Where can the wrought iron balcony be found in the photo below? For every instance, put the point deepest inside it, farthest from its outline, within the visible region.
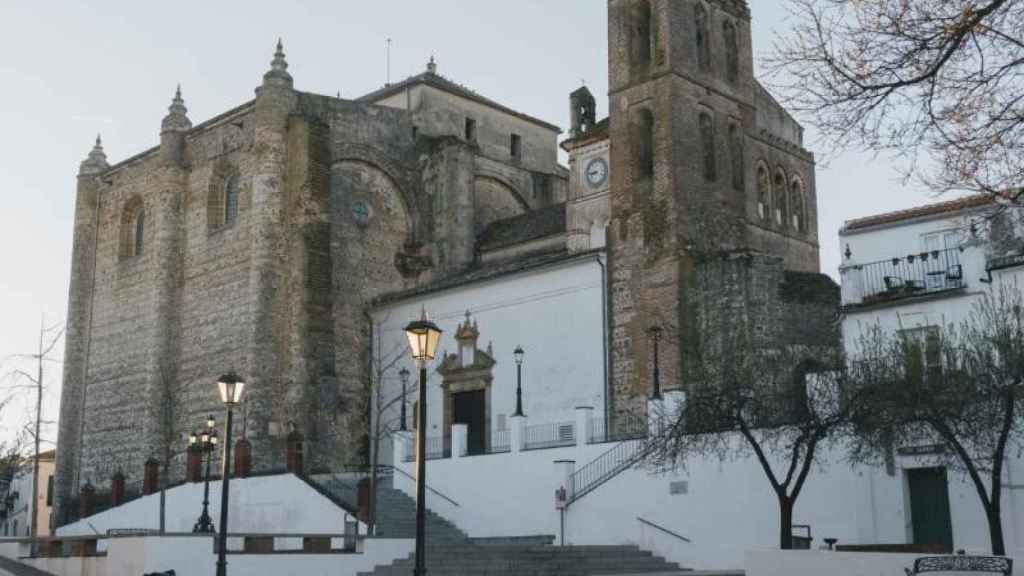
(903, 277)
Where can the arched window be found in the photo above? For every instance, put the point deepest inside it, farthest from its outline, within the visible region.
(732, 51)
(140, 231)
(640, 32)
(643, 142)
(133, 228)
(797, 206)
(700, 19)
(736, 156)
(231, 200)
(707, 141)
(764, 193)
(779, 195)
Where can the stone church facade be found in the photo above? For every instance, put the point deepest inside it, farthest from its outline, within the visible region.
(259, 241)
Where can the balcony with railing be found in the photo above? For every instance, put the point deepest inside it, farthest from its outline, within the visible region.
(913, 275)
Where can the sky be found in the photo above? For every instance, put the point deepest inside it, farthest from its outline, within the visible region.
(70, 70)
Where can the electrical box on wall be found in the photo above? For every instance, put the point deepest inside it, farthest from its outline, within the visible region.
(678, 487)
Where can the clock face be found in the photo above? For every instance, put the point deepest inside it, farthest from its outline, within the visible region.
(596, 172)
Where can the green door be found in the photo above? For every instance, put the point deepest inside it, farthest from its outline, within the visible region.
(929, 507)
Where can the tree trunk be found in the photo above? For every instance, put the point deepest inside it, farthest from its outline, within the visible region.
(785, 523)
(995, 528)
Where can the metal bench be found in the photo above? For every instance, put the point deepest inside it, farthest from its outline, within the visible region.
(961, 563)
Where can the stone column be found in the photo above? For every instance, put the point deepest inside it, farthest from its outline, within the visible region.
(400, 441)
(243, 458)
(117, 489)
(86, 501)
(275, 101)
(151, 477)
(76, 340)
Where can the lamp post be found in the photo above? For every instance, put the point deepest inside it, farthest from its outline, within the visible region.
(231, 388)
(205, 443)
(403, 374)
(654, 333)
(519, 380)
(423, 338)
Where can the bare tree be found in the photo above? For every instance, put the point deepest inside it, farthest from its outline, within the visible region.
(761, 396)
(49, 337)
(935, 80)
(959, 390)
(381, 399)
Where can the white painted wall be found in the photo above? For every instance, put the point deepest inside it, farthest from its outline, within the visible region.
(816, 563)
(194, 556)
(898, 240)
(269, 504)
(555, 313)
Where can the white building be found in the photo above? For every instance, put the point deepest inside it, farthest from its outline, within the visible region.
(915, 272)
(17, 520)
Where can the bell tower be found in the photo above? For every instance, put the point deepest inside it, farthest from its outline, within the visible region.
(681, 99)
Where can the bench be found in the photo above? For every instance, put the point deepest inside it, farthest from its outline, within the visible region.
(961, 563)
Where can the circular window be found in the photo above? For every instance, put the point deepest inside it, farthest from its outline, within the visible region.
(360, 212)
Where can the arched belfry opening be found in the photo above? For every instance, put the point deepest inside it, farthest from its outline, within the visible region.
(641, 32)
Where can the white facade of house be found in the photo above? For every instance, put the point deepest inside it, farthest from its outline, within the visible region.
(920, 271)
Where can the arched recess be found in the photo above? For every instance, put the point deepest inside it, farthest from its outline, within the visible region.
(781, 209)
(642, 139)
(405, 182)
(764, 192)
(132, 228)
(223, 197)
(372, 221)
(641, 31)
(494, 199)
(797, 206)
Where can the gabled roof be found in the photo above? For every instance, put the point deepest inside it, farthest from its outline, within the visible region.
(939, 208)
(435, 80)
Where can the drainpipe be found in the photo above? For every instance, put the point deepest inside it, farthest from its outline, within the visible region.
(604, 334)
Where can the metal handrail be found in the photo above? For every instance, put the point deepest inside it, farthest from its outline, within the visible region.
(410, 477)
(606, 466)
(663, 529)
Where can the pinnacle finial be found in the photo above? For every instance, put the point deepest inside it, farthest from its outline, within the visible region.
(432, 65)
(96, 162)
(177, 114)
(279, 64)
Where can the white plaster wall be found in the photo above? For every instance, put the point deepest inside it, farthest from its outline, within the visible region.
(555, 313)
(269, 504)
(194, 556)
(816, 563)
(728, 507)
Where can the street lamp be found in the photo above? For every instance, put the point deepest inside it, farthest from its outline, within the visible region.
(423, 338)
(519, 380)
(231, 387)
(205, 443)
(654, 333)
(403, 374)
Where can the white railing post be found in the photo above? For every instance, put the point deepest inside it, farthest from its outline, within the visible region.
(399, 441)
(583, 416)
(460, 435)
(662, 411)
(517, 431)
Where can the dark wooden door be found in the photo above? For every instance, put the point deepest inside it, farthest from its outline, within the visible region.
(929, 507)
(470, 408)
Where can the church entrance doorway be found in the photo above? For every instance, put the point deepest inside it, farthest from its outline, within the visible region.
(470, 408)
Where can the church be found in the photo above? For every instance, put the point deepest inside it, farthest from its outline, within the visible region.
(290, 239)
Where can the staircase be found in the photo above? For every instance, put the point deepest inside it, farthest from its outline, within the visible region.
(529, 557)
(450, 552)
(616, 460)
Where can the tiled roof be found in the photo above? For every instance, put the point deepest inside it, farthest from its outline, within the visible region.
(441, 83)
(533, 225)
(918, 212)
